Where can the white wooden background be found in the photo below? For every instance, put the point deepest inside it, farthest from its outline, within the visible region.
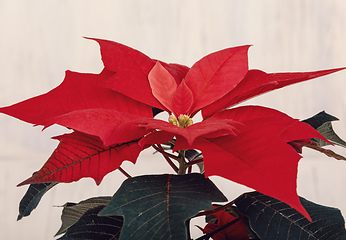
(39, 40)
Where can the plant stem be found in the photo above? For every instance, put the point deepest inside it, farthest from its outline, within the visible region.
(327, 152)
(165, 155)
(181, 159)
(182, 164)
(162, 151)
(124, 172)
(194, 162)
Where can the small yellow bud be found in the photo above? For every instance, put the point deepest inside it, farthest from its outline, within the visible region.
(184, 121)
(189, 122)
(173, 120)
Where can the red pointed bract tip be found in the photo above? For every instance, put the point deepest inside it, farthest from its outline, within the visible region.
(25, 182)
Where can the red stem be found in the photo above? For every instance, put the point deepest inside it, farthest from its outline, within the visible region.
(195, 162)
(166, 156)
(124, 172)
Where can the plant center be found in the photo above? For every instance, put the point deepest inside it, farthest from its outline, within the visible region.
(182, 121)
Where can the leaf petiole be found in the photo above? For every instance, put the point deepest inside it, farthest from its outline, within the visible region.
(124, 172)
(167, 156)
(327, 152)
(194, 162)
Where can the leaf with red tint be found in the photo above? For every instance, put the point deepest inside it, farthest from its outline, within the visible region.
(80, 155)
(299, 144)
(116, 57)
(162, 84)
(214, 128)
(112, 127)
(247, 114)
(182, 99)
(155, 137)
(236, 231)
(302, 131)
(216, 74)
(259, 156)
(257, 82)
(178, 71)
(175, 98)
(132, 68)
(78, 91)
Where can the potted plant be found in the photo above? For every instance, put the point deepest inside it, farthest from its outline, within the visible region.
(113, 117)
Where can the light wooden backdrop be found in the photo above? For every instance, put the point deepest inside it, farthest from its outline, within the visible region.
(39, 40)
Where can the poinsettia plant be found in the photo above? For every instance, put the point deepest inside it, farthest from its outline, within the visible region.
(113, 117)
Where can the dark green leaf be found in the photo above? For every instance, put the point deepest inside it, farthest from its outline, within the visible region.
(320, 118)
(72, 212)
(322, 123)
(32, 198)
(156, 206)
(93, 227)
(327, 131)
(273, 219)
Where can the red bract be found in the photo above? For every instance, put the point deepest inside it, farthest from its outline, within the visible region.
(80, 155)
(248, 145)
(236, 231)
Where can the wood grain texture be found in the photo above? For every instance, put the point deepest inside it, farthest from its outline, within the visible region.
(39, 40)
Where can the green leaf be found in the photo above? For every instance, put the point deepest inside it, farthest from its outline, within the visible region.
(320, 118)
(72, 212)
(327, 131)
(91, 226)
(32, 198)
(322, 123)
(156, 206)
(272, 219)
